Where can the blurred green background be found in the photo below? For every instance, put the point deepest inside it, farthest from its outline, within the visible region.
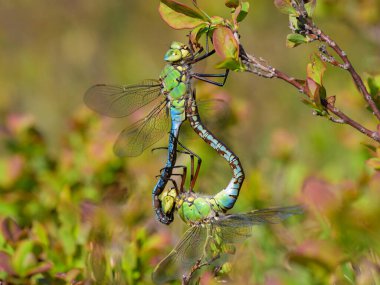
(73, 212)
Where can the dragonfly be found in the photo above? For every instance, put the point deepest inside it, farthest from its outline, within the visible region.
(212, 234)
(172, 91)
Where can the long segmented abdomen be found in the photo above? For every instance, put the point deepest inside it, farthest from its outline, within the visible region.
(226, 198)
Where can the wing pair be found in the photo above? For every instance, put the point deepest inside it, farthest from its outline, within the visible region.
(120, 101)
(200, 242)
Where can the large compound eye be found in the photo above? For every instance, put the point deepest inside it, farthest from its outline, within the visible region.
(173, 55)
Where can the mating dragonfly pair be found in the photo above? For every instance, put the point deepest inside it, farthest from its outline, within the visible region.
(176, 104)
(212, 231)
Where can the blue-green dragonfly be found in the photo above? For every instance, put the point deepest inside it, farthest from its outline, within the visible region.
(172, 91)
(212, 234)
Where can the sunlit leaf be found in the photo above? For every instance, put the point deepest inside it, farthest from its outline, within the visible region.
(374, 90)
(178, 15)
(24, 259)
(374, 163)
(230, 63)
(41, 233)
(242, 12)
(316, 68)
(374, 85)
(198, 31)
(217, 20)
(310, 6)
(225, 44)
(293, 40)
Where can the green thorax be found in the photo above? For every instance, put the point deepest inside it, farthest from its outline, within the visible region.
(193, 209)
(175, 75)
(175, 81)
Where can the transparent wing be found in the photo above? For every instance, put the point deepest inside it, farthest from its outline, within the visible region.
(180, 260)
(236, 228)
(144, 133)
(119, 101)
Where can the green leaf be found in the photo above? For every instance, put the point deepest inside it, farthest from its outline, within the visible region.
(374, 163)
(178, 15)
(232, 3)
(198, 31)
(243, 11)
(24, 258)
(315, 71)
(293, 22)
(230, 63)
(285, 6)
(293, 40)
(310, 6)
(225, 44)
(374, 90)
(316, 68)
(240, 12)
(374, 85)
(216, 20)
(41, 233)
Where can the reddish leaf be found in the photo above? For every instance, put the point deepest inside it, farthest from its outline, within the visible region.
(10, 230)
(5, 263)
(69, 276)
(284, 6)
(313, 87)
(232, 3)
(178, 15)
(319, 252)
(225, 43)
(40, 268)
(318, 194)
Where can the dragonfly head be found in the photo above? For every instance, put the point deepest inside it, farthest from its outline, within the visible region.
(168, 198)
(178, 51)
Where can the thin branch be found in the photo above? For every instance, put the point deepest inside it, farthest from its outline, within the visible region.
(198, 265)
(251, 65)
(344, 119)
(321, 36)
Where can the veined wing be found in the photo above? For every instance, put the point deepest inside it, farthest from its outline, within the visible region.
(180, 260)
(237, 227)
(145, 132)
(120, 101)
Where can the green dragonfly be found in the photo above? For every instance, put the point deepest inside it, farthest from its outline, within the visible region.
(172, 91)
(212, 234)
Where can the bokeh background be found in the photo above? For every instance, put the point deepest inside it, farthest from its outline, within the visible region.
(72, 212)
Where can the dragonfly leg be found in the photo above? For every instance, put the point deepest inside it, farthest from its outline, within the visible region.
(193, 175)
(159, 148)
(207, 54)
(203, 77)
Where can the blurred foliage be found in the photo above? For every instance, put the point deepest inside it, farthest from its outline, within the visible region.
(73, 213)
